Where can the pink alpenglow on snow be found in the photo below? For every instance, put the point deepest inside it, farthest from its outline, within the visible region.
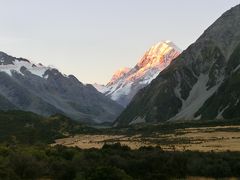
(126, 82)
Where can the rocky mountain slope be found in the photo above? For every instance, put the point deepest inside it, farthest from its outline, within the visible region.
(126, 82)
(203, 83)
(44, 90)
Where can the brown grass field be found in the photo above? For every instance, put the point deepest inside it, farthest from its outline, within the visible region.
(219, 138)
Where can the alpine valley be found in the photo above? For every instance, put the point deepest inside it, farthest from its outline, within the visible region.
(174, 115)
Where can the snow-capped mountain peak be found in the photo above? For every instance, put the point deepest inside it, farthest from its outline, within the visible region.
(10, 65)
(126, 82)
(202, 84)
(158, 54)
(118, 75)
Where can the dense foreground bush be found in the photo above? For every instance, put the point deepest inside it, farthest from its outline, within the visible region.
(112, 162)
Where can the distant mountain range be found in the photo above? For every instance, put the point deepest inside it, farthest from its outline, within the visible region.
(126, 82)
(203, 83)
(46, 91)
(200, 83)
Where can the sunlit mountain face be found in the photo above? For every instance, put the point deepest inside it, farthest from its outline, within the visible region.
(118, 74)
(126, 82)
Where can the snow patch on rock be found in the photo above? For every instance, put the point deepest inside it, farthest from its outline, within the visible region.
(38, 69)
(101, 88)
(220, 112)
(198, 95)
(138, 120)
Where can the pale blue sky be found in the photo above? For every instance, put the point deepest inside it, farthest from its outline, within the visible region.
(93, 38)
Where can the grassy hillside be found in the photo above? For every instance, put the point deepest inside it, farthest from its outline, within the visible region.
(29, 128)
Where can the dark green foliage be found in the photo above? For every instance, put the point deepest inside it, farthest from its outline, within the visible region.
(20, 160)
(29, 128)
(113, 162)
(109, 173)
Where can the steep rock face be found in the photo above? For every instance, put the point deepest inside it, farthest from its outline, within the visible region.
(47, 91)
(126, 82)
(225, 103)
(202, 83)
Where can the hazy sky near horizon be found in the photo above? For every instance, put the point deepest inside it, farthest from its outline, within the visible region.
(91, 39)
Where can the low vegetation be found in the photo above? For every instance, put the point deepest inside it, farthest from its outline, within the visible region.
(114, 162)
(25, 152)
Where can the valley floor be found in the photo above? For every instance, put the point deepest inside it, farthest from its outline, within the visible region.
(217, 138)
(184, 150)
